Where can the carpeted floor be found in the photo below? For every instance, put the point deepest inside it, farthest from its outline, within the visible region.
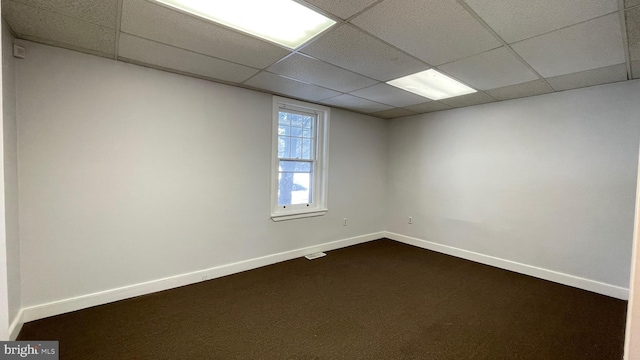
(379, 300)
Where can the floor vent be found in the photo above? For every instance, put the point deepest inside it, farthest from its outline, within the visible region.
(315, 256)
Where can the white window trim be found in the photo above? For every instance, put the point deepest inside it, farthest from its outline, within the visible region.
(318, 207)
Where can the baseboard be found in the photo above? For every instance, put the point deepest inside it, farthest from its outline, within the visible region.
(558, 277)
(99, 298)
(16, 325)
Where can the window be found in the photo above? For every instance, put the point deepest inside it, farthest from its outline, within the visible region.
(299, 168)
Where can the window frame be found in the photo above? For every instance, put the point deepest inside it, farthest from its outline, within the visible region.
(318, 204)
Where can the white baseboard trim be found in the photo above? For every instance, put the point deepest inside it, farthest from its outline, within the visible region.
(103, 297)
(558, 277)
(16, 325)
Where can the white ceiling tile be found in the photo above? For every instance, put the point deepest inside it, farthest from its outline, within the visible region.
(428, 107)
(281, 85)
(633, 33)
(630, 3)
(581, 79)
(148, 20)
(42, 26)
(307, 69)
(165, 56)
(390, 95)
(490, 70)
(99, 12)
(352, 49)
(635, 69)
(357, 104)
(516, 20)
(468, 100)
(393, 113)
(531, 88)
(435, 31)
(343, 8)
(589, 45)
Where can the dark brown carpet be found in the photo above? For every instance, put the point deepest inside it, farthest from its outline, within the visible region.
(379, 300)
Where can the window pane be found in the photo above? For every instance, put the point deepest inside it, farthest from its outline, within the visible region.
(307, 123)
(283, 147)
(296, 148)
(307, 133)
(294, 188)
(296, 131)
(296, 120)
(307, 149)
(295, 166)
(284, 130)
(283, 118)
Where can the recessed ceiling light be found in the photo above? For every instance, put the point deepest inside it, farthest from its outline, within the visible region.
(432, 84)
(284, 22)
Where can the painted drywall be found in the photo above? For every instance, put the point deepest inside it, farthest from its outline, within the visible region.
(10, 172)
(547, 181)
(129, 174)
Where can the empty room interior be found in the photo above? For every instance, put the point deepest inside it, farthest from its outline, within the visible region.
(320, 179)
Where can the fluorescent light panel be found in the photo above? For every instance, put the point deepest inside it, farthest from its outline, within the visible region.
(432, 84)
(284, 22)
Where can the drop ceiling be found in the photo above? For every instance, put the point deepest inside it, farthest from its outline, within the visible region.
(505, 49)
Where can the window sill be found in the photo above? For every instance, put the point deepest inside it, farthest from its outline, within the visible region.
(297, 215)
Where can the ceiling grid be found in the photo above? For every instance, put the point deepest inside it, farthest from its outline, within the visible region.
(504, 49)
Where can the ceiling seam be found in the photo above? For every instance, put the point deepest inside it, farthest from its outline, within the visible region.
(363, 10)
(330, 64)
(13, 33)
(504, 43)
(625, 39)
(62, 45)
(564, 27)
(118, 25)
(390, 45)
(191, 51)
(300, 81)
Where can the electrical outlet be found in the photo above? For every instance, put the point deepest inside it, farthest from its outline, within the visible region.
(410, 219)
(344, 222)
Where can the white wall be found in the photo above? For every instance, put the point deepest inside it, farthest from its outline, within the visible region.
(10, 172)
(129, 174)
(547, 181)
